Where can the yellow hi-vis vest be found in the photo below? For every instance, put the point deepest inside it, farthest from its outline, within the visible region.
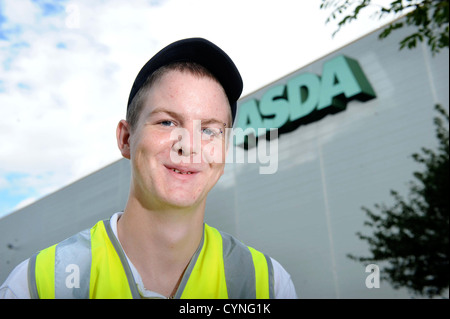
(92, 264)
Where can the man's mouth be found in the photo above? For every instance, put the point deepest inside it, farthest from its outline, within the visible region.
(180, 172)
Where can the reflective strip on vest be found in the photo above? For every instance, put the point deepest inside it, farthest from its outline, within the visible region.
(92, 264)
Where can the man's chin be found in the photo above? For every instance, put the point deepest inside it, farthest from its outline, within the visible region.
(181, 202)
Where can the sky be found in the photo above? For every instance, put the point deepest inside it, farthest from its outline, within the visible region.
(66, 69)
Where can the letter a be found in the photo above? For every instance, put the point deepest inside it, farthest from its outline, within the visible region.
(73, 279)
(373, 280)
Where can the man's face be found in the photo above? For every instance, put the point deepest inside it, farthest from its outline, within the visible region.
(177, 148)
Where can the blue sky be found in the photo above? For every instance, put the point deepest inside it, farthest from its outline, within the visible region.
(66, 68)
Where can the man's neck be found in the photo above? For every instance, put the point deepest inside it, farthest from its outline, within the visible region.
(159, 243)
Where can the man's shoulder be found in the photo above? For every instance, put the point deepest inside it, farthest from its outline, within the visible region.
(284, 287)
(231, 242)
(16, 284)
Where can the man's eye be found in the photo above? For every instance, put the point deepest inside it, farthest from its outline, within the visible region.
(166, 123)
(216, 132)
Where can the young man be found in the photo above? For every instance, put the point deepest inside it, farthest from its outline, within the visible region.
(180, 107)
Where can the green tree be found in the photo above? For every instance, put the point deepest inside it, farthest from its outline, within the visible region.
(412, 236)
(429, 17)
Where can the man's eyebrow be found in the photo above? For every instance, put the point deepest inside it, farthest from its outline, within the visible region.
(177, 115)
(212, 121)
(162, 110)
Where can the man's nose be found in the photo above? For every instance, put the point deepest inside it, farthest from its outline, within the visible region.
(188, 140)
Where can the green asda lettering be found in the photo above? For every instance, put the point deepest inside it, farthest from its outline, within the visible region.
(304, 99)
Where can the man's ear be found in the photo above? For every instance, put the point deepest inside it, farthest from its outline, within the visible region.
(123, 134)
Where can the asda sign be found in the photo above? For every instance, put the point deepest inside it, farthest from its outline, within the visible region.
(303, 99)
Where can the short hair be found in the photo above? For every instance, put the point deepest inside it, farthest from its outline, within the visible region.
(136, 105)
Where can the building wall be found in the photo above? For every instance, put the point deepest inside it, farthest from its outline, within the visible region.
(306, 214)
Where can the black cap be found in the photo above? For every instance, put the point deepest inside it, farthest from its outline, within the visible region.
(200, 51)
